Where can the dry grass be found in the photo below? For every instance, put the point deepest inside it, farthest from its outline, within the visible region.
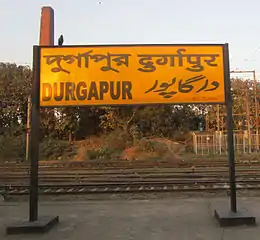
(151, 148)
(117, 144)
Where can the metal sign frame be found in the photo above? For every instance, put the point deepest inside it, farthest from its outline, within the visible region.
(34, 140)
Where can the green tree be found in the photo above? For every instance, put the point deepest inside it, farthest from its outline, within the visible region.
(66, 122)
(15, 87)
(243, 103)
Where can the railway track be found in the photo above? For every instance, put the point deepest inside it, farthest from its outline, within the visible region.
(124, 164)
(127, 178)
(128, 188)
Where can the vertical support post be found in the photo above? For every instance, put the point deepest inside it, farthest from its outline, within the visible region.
(208, 144)
(244, 143)
(207, 123)
(214, 143)
(201, 145)
(34, 137)
(220, 142)
(256, 112)
(225, 143)
(235, 146)
(248, 118)
(46, 39)
(195, 145)
(218, 119)
(28, 128)
(231, 153)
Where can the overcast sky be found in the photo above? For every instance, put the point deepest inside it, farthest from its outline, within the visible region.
(135, 21)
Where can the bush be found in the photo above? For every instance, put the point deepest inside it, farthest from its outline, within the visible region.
(12, 147)
(182, 136)
(118, 140)
(51, 149)
(147, 145)
(101, 153)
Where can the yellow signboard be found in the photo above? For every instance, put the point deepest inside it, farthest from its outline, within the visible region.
(119, 75)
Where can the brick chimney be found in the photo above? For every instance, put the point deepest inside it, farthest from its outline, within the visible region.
(47, 27)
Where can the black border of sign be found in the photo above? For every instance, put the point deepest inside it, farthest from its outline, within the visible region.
(138, 45)
(135, 45)
(34, 139)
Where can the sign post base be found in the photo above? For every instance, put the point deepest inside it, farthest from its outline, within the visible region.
(227, 218)
(42, 225)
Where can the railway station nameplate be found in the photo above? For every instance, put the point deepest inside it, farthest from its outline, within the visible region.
(131, 74)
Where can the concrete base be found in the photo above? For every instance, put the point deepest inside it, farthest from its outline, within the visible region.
(43, 225)
(228, 218)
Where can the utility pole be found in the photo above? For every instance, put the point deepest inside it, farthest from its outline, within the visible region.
(28, 128)
(256, 111)
(207, 123)
(218, 120)
(248, 119)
